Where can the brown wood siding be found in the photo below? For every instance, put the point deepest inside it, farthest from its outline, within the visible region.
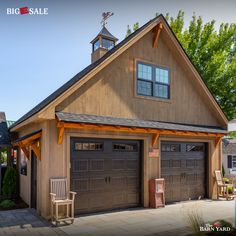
(112, 91)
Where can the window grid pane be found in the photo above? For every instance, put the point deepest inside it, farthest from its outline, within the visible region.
(144, 72)
(144, 88)
(161, 90)
(162, 76)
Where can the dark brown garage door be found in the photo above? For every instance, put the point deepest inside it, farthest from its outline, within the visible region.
(183, 167)
(105, 174)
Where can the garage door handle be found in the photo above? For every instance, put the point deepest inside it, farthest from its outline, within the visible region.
(106, 179)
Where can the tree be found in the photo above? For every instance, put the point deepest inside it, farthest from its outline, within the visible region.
(213, 52)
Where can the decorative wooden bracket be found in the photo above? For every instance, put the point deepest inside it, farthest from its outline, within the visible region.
(24, 149)
(155, 137)
(61, 130)
(157, 31)
(217, 141)
(36, 148)
(30, 140)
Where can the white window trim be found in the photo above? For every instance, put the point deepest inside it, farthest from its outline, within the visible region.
(233, 161)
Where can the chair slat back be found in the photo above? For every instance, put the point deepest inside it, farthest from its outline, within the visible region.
(219, 177)
(59, 187)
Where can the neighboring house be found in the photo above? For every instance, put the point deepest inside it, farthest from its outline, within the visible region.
(139, 111)
(229, 155)
(5, 142)
(232, 125)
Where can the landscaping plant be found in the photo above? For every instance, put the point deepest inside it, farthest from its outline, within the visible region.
(195, 220)
(7, 204)
(10, 182)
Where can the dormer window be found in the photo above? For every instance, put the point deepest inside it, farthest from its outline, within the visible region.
(153, 81)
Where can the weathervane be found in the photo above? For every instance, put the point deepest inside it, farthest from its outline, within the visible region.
(105, 16)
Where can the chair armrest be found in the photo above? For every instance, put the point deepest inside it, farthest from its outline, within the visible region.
(53, 197)
(72, 195)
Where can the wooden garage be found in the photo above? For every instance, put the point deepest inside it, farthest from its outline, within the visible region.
(139, 111)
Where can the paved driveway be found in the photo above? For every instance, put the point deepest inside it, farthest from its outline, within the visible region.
(171, 220)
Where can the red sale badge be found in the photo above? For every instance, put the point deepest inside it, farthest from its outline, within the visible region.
(24, 10)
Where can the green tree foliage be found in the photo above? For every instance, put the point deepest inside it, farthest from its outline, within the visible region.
(10, 182)
(135, 26)
(213, 52)
(128, 31)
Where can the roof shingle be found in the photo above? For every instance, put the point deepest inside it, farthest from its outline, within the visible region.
(105, 120)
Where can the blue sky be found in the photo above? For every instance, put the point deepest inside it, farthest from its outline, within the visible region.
(40, 53)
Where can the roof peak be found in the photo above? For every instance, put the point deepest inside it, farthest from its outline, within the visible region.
(104, 32)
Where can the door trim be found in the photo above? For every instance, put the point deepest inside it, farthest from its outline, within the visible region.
(33, 178)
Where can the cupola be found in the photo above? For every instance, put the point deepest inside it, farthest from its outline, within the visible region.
(102, 43)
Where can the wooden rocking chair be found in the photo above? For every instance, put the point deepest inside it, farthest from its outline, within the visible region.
(222, 187)
(60, 196)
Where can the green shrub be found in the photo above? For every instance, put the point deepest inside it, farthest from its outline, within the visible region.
(223, 170)
(10, 182)
(226, 180)
(230, 190)
(7, 204)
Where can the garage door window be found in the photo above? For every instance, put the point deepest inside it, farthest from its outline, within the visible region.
(194, 148)
(124, 147)
(170, 148)
(88, 146)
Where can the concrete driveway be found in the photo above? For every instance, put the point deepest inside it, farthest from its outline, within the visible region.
(171, 220)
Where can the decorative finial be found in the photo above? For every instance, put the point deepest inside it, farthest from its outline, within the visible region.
(105, 16)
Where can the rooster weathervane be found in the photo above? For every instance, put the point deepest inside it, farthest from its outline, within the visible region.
(105, 17)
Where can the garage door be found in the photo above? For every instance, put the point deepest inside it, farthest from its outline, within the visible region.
(183, 168)
(105, 174)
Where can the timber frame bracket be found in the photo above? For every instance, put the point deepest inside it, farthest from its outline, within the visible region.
(155, 138)
(61, 130)
(28, 141)
(157, 31)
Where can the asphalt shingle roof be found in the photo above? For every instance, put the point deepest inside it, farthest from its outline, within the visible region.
(105, 120)
(229, 146)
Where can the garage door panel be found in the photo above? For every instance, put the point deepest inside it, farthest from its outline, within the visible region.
(183, 168)
(96, 165)
(81, 185)
(106, 178)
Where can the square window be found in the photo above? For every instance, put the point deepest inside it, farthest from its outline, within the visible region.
(153, 81)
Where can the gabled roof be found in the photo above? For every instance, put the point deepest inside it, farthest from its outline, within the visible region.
(99, 62)
(106, 34)
(105, 120)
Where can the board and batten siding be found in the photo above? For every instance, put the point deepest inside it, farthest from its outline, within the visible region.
(112, 91)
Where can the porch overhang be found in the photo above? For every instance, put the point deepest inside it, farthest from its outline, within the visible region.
(155, 128)
(30, 140)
